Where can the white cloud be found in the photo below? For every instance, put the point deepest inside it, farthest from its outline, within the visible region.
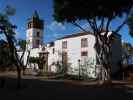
(53, 35)
(22, 28)
(54, 26)
(56, 35)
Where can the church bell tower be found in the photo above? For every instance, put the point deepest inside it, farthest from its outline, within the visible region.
(34, 33)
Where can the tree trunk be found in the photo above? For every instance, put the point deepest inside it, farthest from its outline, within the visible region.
(18, 77)
(22, 60)
(27, 61)
(15, 58)
(22, 56)
(103, 55)
(18, 65)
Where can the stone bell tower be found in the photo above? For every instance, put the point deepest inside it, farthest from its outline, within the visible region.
(34, 33)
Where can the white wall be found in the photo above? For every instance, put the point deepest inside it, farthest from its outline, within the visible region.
(33, 53)
(32, 37)
(74, 52)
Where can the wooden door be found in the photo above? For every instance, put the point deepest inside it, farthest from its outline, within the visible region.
(65, 61)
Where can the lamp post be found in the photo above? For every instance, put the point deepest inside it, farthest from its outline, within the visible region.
(79, 68)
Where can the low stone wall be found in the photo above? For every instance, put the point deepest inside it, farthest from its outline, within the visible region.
(27, 71)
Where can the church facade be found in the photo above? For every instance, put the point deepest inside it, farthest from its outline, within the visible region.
(74, 53)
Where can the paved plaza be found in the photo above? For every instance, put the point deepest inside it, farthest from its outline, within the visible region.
(51, 89)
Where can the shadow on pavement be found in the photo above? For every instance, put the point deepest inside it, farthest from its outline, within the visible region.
(33, 89)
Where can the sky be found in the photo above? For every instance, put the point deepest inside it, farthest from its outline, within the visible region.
(52, 29)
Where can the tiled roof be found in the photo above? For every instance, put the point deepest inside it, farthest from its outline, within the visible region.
(74, 35)
(82, 34)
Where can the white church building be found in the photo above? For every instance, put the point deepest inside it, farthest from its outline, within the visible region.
(75, 53)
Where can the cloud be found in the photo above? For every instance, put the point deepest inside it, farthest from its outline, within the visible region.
(56, 35)
(52, 37)
(22, 28)
(20, 33)
(55, 26)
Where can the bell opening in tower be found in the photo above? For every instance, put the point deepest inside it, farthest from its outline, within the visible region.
(35, 28)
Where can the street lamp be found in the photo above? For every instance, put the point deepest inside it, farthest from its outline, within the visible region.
(79, 67)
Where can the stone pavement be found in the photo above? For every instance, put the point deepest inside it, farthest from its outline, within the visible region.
(76, 82)
(34, 88)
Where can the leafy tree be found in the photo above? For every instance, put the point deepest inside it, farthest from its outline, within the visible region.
(5, 59)
(40, 61)
(127, 51)
(128, 46)
(98, 14)
(7, 29)
(35, 60)
(130, 23)
(22, 45)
